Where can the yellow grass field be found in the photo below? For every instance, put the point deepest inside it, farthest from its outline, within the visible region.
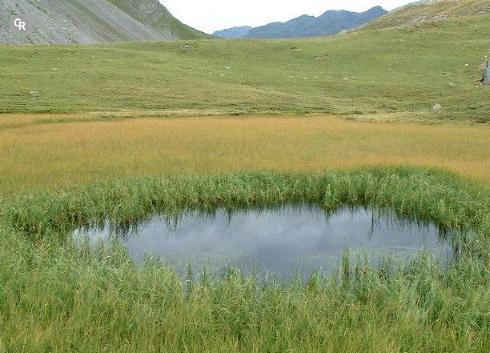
(37, 152)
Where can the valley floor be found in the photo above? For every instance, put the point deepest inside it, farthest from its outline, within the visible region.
(390, 119)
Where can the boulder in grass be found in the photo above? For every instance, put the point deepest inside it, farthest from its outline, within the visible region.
(486, 75)
(436, 107)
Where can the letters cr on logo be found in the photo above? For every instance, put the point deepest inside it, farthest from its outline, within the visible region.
(21, 25)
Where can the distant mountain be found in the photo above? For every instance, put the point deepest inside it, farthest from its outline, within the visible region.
(90, 21)
(233, 33)
(331, 22)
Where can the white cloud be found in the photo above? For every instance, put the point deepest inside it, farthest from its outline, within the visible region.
(211, 15)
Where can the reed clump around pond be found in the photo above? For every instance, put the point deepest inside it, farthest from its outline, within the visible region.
(57, 297)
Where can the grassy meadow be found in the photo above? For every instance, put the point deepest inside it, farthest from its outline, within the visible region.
(406, 70)
(124, 131)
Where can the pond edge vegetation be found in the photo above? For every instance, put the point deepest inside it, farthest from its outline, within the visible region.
(100, 292)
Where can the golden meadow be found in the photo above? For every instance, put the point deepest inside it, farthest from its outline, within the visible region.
(39, 154)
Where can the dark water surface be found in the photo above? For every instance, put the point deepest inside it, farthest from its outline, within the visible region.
(282, 242)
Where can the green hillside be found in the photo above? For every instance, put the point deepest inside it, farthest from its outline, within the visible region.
(432, 10)
(401, 70)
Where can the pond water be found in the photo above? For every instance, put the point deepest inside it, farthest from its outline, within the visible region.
(282, 242)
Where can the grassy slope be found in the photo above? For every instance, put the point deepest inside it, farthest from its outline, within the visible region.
(423, 11)
(393, 70)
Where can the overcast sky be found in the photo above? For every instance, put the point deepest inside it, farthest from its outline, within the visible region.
(211, 15)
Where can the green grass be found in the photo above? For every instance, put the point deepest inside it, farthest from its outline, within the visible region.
(55, 297)
(391, 70)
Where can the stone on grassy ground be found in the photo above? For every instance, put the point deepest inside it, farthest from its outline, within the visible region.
(486, 76)
(436, 107)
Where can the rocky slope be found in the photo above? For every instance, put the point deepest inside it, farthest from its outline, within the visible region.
(90, 21)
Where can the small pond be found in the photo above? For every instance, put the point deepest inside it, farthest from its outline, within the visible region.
(285, 242)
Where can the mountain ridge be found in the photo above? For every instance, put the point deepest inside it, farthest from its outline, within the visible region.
(329, 23)
(233, 32)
